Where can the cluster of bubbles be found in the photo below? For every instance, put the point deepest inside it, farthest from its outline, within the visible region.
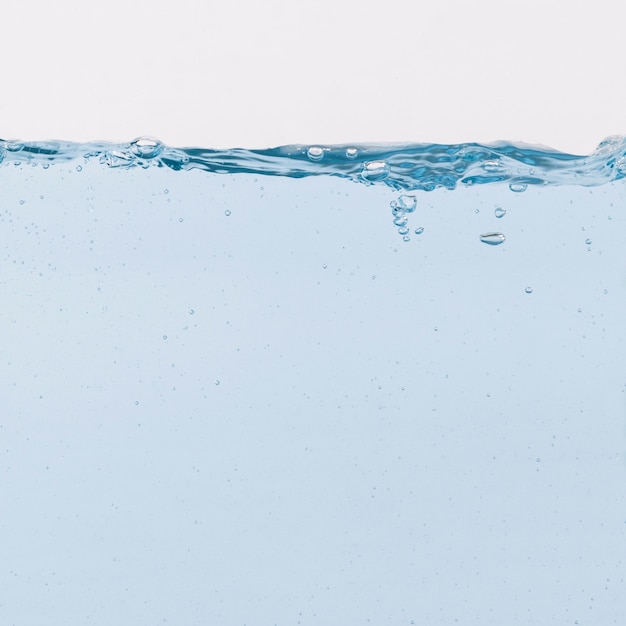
(406, 204)
(400, 209)
(371, 171)
(140, 152)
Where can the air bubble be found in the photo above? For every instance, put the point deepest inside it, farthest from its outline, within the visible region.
(146, 147)
(518, 187)
(227, 212)
(315, 153)
(164, 337)
(499, 212)
(13, 146)
(620, 165)
(492, 239)
(528, 290)
(217, 382)
(588, 242)
(375, 170)
(407, 203)
(406, 238)
(351, 153)
(403, 231)
(191, 311)
(400, 220)
(492, 166)
(79, 168)
(419, 231)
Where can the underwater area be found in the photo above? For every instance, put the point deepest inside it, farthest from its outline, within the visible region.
(369, 384)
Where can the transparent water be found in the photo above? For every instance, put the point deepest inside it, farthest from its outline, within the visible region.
(232, 393)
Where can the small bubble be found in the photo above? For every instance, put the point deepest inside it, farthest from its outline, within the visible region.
(324, 266)
(217, 382)
(22, 201)
(136, 402)
(166, 191)
(351, 153)
(315, 153)
(180, 219)
(605, 291)
(492, 239)
(227, 212)
(374, 277)
(406, 238)
(407, 203)
(191, 311)
(400, 220)
(375, 170)
(164, 337)
(146, 147)
(588, 242)
(493, 165)
(419, 230)
(621, 165)
(528, 290)
(403, 231)
(518, 187)
(499, 212)
(79, 168)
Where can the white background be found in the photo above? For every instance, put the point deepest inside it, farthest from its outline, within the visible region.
(256, 74)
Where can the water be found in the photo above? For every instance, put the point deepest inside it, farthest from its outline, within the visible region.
(293, 386)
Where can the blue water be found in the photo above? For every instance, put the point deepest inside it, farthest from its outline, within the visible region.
(405, 166)
(312, 385)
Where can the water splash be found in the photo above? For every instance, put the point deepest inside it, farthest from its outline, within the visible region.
(403, 167)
